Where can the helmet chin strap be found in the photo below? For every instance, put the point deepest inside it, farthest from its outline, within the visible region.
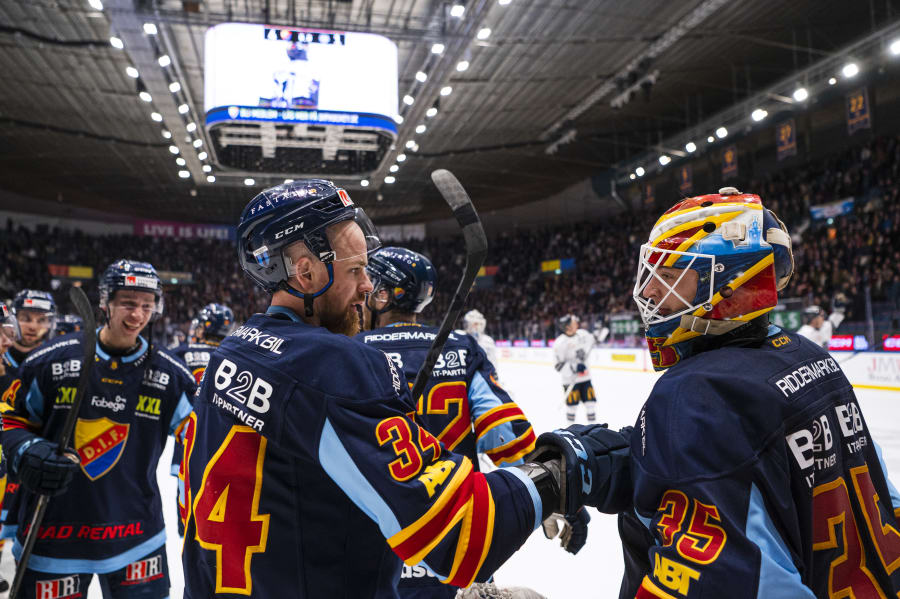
(309, 297)
(708, 326)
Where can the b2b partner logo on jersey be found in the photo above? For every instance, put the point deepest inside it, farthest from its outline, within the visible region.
(61, 370)
(99, 443)
(156, 379)
(58, 588)
(236, 385)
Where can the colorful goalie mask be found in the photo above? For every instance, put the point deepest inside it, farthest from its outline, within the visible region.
(741, 254)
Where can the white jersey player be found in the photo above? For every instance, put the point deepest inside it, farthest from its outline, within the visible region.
(474, 323)
(819, 329)
(571, 350)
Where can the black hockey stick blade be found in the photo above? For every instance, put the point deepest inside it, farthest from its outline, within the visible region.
(476, 251)
(89, 345)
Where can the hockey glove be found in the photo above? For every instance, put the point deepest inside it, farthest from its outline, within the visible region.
(581, 368)
(595, 467)
(559, 366)
(574, 530)
(44, 471)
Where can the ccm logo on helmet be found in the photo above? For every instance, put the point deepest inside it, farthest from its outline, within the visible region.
(289, 230)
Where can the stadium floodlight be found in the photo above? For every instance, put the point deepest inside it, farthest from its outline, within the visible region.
(462, 65)
(437, 48)
(116, 43)
(174, 149)
(150, 29)
(206, 168)
(421, 76)
(832, 80)
(408, 100)
(183, 108)
(415, 147)
(664, 160)
(248, 182)
(210, 178)
(759, 114)
(145, 96)
(286, 181)
(446, 90)
(132, 72)
(420, 129)
(483, 33)
(639, 171)
(364, 183)
(690, 147)
(431, 112)
(96, 4)
(202, 155)
(401, 157)
(180, 161)
(721, 132)
(895, 47)
(710, 139)
(198, 142)
(394, 168)
(801, 94)
(174, 87)
(389, 179)
(166, 134)
(184, 174)
(503, 2)
(632, 176)
(398, 119)
(156, 117)
(410, 144)
(850, 70)
(191, 127)
(457, 11)
(164, 60)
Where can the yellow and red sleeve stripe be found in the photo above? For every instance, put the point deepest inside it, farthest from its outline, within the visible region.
(515, 449)
(648, 590)
(468, 499)
(10, 422)
(497, 416)
(897, 514)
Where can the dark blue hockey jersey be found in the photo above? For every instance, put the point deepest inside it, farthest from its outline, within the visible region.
(757, 476)
(111, 514)
(303, 456)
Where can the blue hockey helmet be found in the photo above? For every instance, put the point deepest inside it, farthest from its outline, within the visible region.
(134, 276)
(214, 320)
(286, 214)
(403, 279)
(9, 326)
(32, 299)
(69, 323)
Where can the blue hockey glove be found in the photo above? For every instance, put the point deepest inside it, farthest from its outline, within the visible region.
(44, 471)
(595, 466)
(581, 368)
(574, 530)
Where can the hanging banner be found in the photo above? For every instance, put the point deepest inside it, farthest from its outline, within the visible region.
(686, 179)
(786, 139)
(157, 228)
(729, 162)
(859, 115)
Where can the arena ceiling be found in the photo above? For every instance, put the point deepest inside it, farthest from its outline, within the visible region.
(73, 129)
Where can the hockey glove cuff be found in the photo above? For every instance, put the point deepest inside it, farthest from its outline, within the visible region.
(42, 470)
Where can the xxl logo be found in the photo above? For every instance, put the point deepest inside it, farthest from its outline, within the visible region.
(58, 588)
(65, 396)
(237, 384)
(148, 405)
(99, 443)
(144, 570)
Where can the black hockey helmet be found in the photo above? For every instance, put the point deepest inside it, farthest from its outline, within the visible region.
(404, 279)
(134, 276)
(216, 320)
(38, 301)
(69, 323)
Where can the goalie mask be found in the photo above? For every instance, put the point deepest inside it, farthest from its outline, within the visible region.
(712, 264)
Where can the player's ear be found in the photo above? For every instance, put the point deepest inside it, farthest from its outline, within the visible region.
(305, 277)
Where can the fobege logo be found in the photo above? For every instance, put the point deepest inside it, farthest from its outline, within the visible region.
(116, 405)
(58, 588)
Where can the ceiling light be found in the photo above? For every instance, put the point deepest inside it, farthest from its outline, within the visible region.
(632, 176)
(164, 60)
(206, 168)
(503, 2)
(437, 48)
(721, 132)
(146, 97)
(401, 157)
(180, 161)
(410, 144)
(198, 143)
(210, 178)
(800, 94)
(183, 108)
(166, 134)
(639, 171)
(394, 168)
(431, 112)
(202, 155)
(690, 147)
(446, 90)
(132, 72)
(173, 149)
(156, 117)
(174, 87)
(184, 174)
(398, 119)
(286, 181)
(664, 160)
(364, 183)
(248, 181)
(421, 76)
(408, 100)
(710, 139)
(462, 65)
(484, 33)
(116, 43)
(850, 70)
(96, 4)
(191, 127)
(150, 29)
(420, 129)
(457, 10)
(895, 47)
(759, 114)
(832, 81)
(389, 179)
(415, 147)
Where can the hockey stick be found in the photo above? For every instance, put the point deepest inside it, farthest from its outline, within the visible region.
(476, 251)
(89, 345)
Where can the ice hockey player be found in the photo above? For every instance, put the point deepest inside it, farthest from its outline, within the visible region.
(754, 470)
(106, 518)
(571, 350)
(9, 334)
(303, 455)
(211, 325)
(68, 323)
(474, 323)
(817, 328)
